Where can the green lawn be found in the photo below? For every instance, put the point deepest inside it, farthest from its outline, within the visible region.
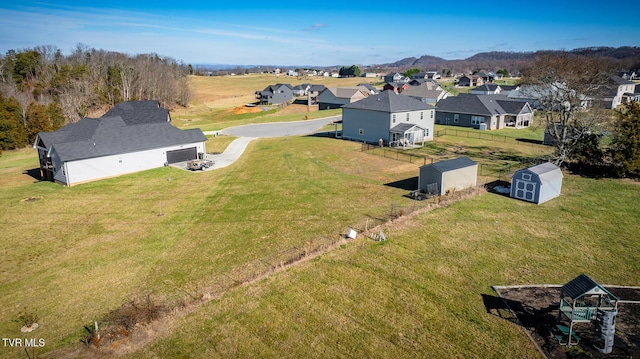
(73, 254)
(420, 293)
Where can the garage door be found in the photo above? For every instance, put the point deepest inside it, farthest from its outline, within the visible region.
(182, 155)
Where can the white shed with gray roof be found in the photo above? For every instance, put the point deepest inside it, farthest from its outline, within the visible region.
(537, 184)
(449, 175)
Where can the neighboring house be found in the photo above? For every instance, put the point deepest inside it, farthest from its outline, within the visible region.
(372, 89)
(484, 111)
(335, 97)
(390, 117)
(506, 89)
(433, 75)
(395, 77)
(426, 92)
(628, 75)
(537, 184)
(313, 92)
(369, 75)
(275, 94)
(418, 82)
(301, 90)
(487, 77)
(397, 87)
(447, 176)
(470, 80)
(636, 94)
(619, 91)
(133, 136)
(487, 89)
(420, 76)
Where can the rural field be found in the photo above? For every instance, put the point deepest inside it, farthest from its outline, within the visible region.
(251, 260)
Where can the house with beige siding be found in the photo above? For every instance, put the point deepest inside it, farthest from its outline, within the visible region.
(335, 97)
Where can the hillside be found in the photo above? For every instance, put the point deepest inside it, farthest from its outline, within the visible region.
(626, 57)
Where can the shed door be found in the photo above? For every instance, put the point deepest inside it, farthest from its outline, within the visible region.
(525, 190)
(182, 155)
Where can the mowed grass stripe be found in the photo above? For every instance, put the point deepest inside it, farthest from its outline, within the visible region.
(420, 293)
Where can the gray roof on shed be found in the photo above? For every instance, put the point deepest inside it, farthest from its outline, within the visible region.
(453, 164)
(389, 101)
(547, 172)
(112, 135)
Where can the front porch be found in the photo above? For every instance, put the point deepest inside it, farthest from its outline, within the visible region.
(407, 135)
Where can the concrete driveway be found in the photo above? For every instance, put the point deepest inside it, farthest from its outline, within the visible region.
(248, 133)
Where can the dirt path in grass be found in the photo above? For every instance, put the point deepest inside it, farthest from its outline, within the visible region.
(118, 342)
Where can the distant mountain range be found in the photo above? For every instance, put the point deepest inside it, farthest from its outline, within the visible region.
(628, 57)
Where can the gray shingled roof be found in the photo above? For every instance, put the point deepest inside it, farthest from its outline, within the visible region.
(481, 104)
(112, 135)
(138, 112)
(389, 101)
(404, 127)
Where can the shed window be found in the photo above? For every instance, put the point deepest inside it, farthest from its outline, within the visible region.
(361, 131)
(526, 176)
(456, 118)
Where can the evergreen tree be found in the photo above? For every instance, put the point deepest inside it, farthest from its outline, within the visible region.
(12, 131)
(625, 146)
(37, 120)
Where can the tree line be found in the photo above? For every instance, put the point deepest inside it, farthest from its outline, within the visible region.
(42, 90)
(586, 136)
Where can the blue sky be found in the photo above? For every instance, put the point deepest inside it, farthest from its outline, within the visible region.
(320, 33)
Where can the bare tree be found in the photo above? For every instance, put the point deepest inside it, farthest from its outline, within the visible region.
(565, 87)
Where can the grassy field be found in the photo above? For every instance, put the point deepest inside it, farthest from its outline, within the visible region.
(71, 255)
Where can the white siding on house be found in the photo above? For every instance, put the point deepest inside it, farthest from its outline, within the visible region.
(91, 169)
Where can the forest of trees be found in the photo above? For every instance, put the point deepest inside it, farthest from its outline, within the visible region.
(42, 90)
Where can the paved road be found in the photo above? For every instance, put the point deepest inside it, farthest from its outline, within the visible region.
(248, 133)
(278, 129)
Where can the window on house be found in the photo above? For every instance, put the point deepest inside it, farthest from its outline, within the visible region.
(456, 118)
(407, 117)
(426, 132)
(432, 114)
(476, 120)
(394, 118)
(421, 115)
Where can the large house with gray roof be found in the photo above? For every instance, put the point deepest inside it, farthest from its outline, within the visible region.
(133, 136)
(335, 97)
(388, 117)
(275, 94)
(489, 112)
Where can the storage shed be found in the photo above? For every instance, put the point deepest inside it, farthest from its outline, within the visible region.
(537, 184)
(455, 174)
